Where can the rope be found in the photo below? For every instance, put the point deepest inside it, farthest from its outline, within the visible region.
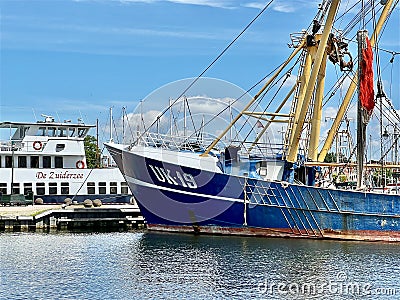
(212, 63)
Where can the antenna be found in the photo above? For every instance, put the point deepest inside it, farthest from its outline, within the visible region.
(34, 114)
(48, 118)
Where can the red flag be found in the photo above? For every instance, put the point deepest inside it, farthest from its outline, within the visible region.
(366, 95)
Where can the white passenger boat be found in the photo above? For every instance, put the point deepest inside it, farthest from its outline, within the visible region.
(48, 158)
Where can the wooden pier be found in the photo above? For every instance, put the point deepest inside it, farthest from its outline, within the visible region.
(105, 218)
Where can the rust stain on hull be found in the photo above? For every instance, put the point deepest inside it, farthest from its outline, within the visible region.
(328, 234)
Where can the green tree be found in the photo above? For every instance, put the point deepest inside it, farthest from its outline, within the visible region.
(91, 151)
(330, 157)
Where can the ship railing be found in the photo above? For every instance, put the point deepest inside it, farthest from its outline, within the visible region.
(199, 144)
(175, 142)
(10, 145)
(19, 146)
(261, 149)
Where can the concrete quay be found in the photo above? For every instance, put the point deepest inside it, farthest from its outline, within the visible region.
(73, 217)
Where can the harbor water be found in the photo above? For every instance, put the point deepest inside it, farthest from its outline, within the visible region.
(146, 265)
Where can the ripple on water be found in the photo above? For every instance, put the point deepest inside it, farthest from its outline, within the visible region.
(177, 266)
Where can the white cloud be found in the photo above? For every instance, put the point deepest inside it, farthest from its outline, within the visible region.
(285, 7)
(291, 81)
(211, 3)
(257, 5)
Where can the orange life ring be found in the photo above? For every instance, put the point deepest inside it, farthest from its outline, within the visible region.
(37, 145)
(80, 164)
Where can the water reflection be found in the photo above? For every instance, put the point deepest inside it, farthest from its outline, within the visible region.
(170, 266)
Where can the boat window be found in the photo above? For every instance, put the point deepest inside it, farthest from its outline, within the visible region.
(22, 162)
(22, 131)
(41, 131)
(262, 171)
(52, 131)
(27, 188)
(15, 189)
(25, 130)
(124, 188)
(102, 188)
(60, 147)
(34, 161)
(91, 188)
(40, 188)
(71, 132)
(9, 162)
(113, 188)
(3, 187)
(64, 188)
(46, 161)
(62, 131)
(53, 188)
(59, 162)
(82, 132)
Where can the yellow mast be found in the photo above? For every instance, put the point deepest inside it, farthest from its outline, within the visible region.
(292, 155)
(303, 86)
(317, 112)
(352, 87)
(212, 145)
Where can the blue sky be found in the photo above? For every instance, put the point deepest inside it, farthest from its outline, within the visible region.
(76, 58)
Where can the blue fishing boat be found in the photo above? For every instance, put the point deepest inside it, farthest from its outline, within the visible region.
(186, 181)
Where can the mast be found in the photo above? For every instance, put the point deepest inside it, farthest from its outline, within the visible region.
(184, 118)
(170, 118)
(293, 150)
(317, 115)
(97, 144)
(111, 135)
(310, 52)
(123, 124)
(346, 101)
(230, 120)
(361, 122)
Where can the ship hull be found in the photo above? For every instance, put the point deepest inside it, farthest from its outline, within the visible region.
(183, 199)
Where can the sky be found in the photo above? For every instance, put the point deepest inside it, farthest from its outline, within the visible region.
(77, 58)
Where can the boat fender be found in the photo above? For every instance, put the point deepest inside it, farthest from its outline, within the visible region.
(37, 145)
(80, 164)
(284, 184)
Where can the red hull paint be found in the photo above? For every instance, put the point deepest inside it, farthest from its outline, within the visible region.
(361, 235)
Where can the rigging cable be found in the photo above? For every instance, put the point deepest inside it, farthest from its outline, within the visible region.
(212, 63)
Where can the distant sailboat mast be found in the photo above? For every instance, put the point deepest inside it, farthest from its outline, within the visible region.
(111, 135)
